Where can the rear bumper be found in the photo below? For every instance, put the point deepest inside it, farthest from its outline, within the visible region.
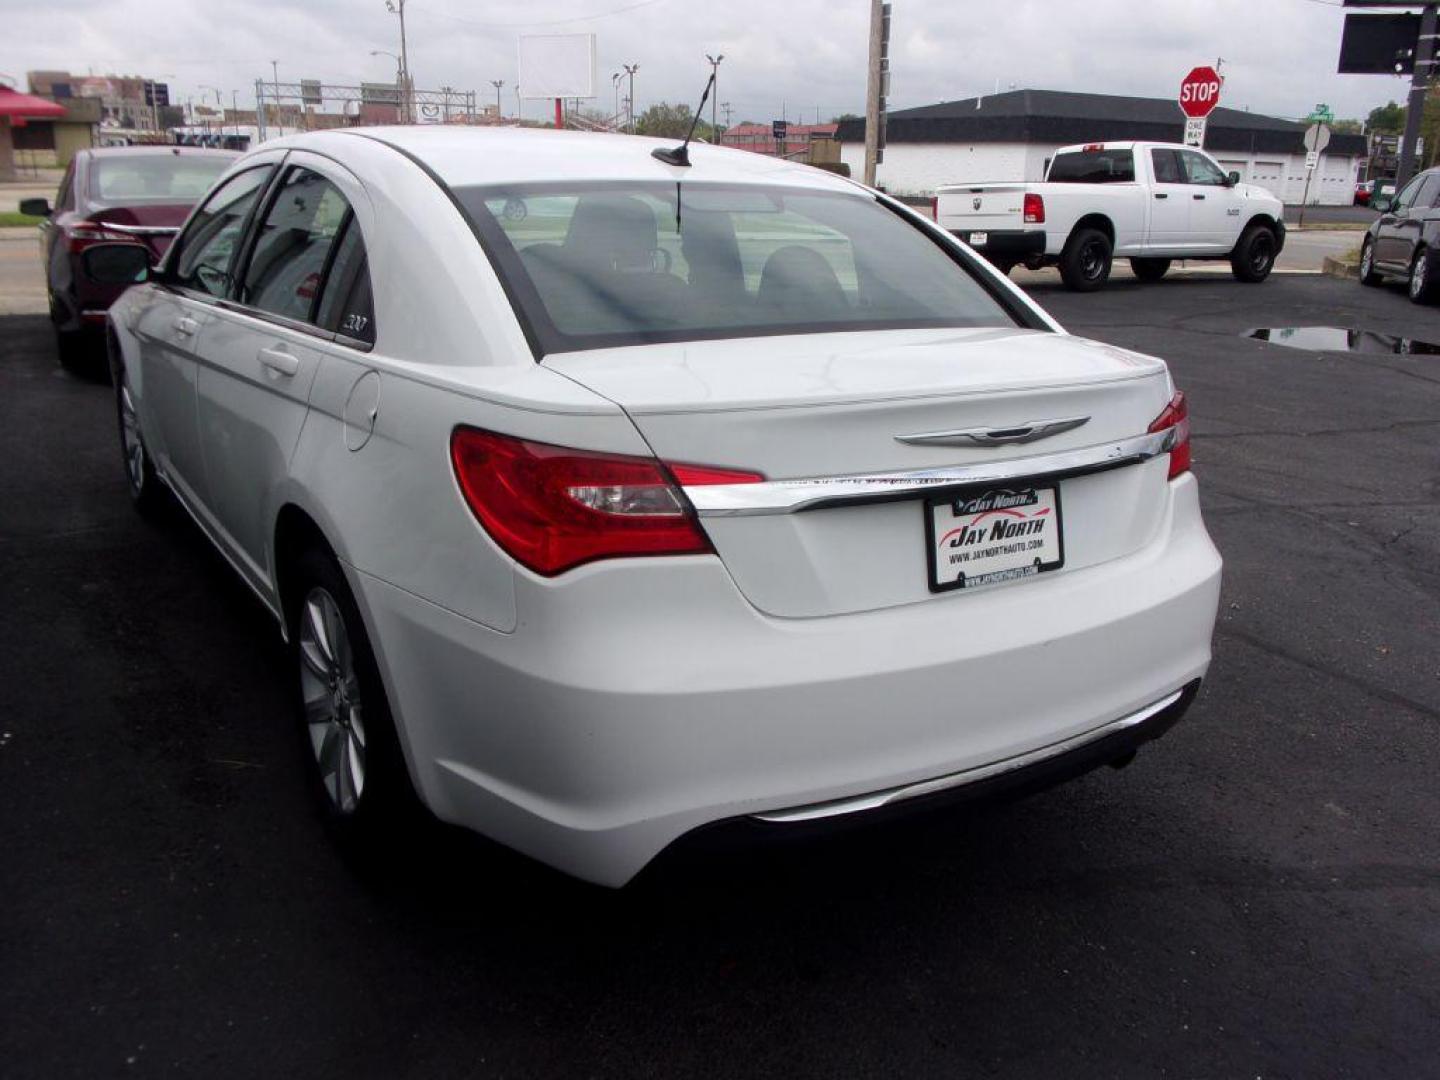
(636, 702)
(1008, 245)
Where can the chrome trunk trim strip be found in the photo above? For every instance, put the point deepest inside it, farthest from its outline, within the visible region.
(792, 496)
(874, 800)
(140, 230)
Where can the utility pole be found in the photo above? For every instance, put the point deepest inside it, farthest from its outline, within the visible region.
(630, 70)
(726, 107)
(715, 89)
(275, 73)
(235, 111)
(874, 90)
(615, 85)
(1424, 63)
(497, 84)
(397, 7)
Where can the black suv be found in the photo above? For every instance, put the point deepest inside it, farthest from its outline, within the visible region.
(1404, 241)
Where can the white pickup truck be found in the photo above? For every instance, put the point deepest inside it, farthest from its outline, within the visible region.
(1150, 202)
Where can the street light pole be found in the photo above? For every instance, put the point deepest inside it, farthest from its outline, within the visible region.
(715, 92)
(219, 104)
(498, 83)
(397, 7)
(275, 73)
(630, 70)
(615, 85)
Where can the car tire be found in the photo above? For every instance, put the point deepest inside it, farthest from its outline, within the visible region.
(146, 493)
(1254, 254)
(1149, 269)
(1421, 286)
(1085, 263)
(356, 767)
(1368, 274)
(77, 354)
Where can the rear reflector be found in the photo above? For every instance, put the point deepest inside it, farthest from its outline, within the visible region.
(552, 508)
(1176, 415)
(1034, 207)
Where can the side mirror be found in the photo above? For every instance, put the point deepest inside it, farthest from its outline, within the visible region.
(1382, 203)
(1232, 178)
(116, 264)
(35, 207)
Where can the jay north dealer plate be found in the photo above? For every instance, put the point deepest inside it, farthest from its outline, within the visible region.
(989, 536)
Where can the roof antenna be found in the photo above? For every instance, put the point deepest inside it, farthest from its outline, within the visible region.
(680, 155)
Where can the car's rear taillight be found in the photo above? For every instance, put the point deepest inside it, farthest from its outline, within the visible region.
(82, 234)
(1177, 416)
(1034, 207)
(552, 508)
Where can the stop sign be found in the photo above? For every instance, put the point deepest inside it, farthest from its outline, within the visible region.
(1199, 92)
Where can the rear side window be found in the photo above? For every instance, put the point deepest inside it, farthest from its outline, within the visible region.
(207, 247)
(628, 263)
(292, 244)
(347, 305)
(1167, 167)
(1093, 167)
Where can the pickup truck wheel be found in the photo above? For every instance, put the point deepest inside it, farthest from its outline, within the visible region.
(1149, 269)
(1368, 274)
(1422, 278)
(1085, 262)
(1254, 256)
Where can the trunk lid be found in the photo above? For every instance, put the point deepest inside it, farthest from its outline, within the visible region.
(797, 407)
(981, 207)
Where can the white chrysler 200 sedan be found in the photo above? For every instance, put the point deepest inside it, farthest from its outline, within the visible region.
(602, 498)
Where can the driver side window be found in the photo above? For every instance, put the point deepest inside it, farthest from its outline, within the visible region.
(1406, 198)
(1199, 169)
(207, 247)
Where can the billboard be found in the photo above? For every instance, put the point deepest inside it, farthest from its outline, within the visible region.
(557, 65)
(310, 92)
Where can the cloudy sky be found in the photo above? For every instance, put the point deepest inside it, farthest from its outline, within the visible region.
(802, 55)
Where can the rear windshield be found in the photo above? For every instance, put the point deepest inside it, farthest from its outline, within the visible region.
(159, 178)
(1093, 167)
(622, 264)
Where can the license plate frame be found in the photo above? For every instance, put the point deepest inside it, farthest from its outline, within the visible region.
(979, 239)
(1016, 504)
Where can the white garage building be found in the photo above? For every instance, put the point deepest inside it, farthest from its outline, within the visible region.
(1011, 136)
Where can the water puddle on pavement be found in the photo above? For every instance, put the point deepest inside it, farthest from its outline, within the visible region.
(1341, 339)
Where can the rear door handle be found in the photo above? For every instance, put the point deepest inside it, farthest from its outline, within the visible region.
(1197, 196)
(1161, 195)
(185, 326)
(278, 360)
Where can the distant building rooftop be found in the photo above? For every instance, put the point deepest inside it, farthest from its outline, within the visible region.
(1058, 117)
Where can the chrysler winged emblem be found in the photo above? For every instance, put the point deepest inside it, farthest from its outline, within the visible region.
(976, 202)
(1030, 431)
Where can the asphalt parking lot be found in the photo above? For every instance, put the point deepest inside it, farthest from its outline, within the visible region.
(1257, 895)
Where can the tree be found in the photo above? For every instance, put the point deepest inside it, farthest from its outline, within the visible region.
(845, 116)
(668, 121)
(1345, 127)
(1389, 119)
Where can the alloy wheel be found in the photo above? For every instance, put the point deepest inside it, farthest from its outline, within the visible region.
(130, 441)
(1418, 276)
(1092, 260)
(1367, 260)
(1262, 251)
(330, 691)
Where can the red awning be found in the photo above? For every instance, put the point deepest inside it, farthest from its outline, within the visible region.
(15, 104)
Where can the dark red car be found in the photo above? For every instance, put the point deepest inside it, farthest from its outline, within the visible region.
(140, 194)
